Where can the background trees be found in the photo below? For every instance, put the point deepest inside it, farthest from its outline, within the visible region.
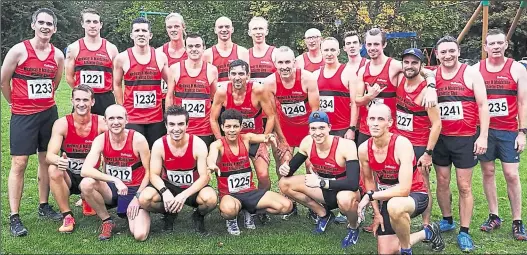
(288, 21)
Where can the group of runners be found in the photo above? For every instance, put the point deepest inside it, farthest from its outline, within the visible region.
(368, 131)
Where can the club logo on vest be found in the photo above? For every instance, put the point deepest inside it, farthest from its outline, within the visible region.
(49, 66)
(502, 77)
(126, 155)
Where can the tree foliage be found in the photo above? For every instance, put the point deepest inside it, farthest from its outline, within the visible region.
(288, 20)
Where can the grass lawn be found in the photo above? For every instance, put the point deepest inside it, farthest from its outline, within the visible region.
(279, 237)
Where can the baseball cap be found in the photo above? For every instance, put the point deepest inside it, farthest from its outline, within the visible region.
(318, 116)
(414, 52)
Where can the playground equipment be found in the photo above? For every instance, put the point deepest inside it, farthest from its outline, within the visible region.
(484, 5)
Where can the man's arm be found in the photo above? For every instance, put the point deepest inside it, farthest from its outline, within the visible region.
(351, 82)
(171, 84)
(312, 90)
(243, 54)
(299, 61)
(207, 55)
(213, 79)
(141, 146)
(165, 72)
(521, 72)
(351, 182)
(69, 64)
(367, 174)
(88, 168)
(360, 98)
(112, 50)
(156, 164)
(266, 101)
(219, 98)
(59, 58)
(214, 152)
(480, 92)
(200, 155)
(435, 119)
(118, 74)
(300, 157)
(58, 132)
(8, 68)
(404, 153)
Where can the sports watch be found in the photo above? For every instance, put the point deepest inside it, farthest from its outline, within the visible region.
(370, 194)
(429, 152)
(353, 128)
(322, 183)
(523, 130)
(162, 190)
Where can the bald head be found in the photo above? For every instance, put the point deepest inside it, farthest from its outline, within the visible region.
(223, 21)
(380, 110)
(312, 32)
(115, 110)
(285, 53)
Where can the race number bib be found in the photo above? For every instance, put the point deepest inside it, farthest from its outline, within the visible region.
(164, 86)
(145, 99)
(498, 107)
(181, 178)
(405, 121)
(124, 173)
(94, 79)
(37, 89)
(294, 110)
(451, 110)
(384, 186)
(248, 123)
(195, 108)
(75, 165)
(375, 101)
(327, 103)
(239, 182)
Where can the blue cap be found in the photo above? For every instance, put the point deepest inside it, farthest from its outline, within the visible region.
(414, 52)
(318, 116)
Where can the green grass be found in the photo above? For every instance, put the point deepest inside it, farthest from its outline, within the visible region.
(278, 237)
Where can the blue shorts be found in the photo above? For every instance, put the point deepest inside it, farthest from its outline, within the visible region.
(121, 202)
(501, 146)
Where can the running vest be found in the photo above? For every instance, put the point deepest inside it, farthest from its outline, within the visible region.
(194, 94)
(94, 68)
(252, 117)
(142, 90)
(388, 171)
(502, 94)
(335, 99)
(222, 63)
(236, 173)
(327, 167)
(310, 66)
(412, 119)
(387, 96)
(32, 83)
(180, 171)
(261, 67)
(457, 104)
(171, 61)
(292, 104)
(123, 164)
(77, 147)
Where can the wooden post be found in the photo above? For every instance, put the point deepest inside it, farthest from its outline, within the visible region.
(485, 5)
(469, 24)
(523, 4)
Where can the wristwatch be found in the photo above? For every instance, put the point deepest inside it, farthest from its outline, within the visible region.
(523, 130)
(429, 152)
(353, 128)
(431, 85)
(162, 190)
(370, 194)
(137, 194)
(322, 183)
